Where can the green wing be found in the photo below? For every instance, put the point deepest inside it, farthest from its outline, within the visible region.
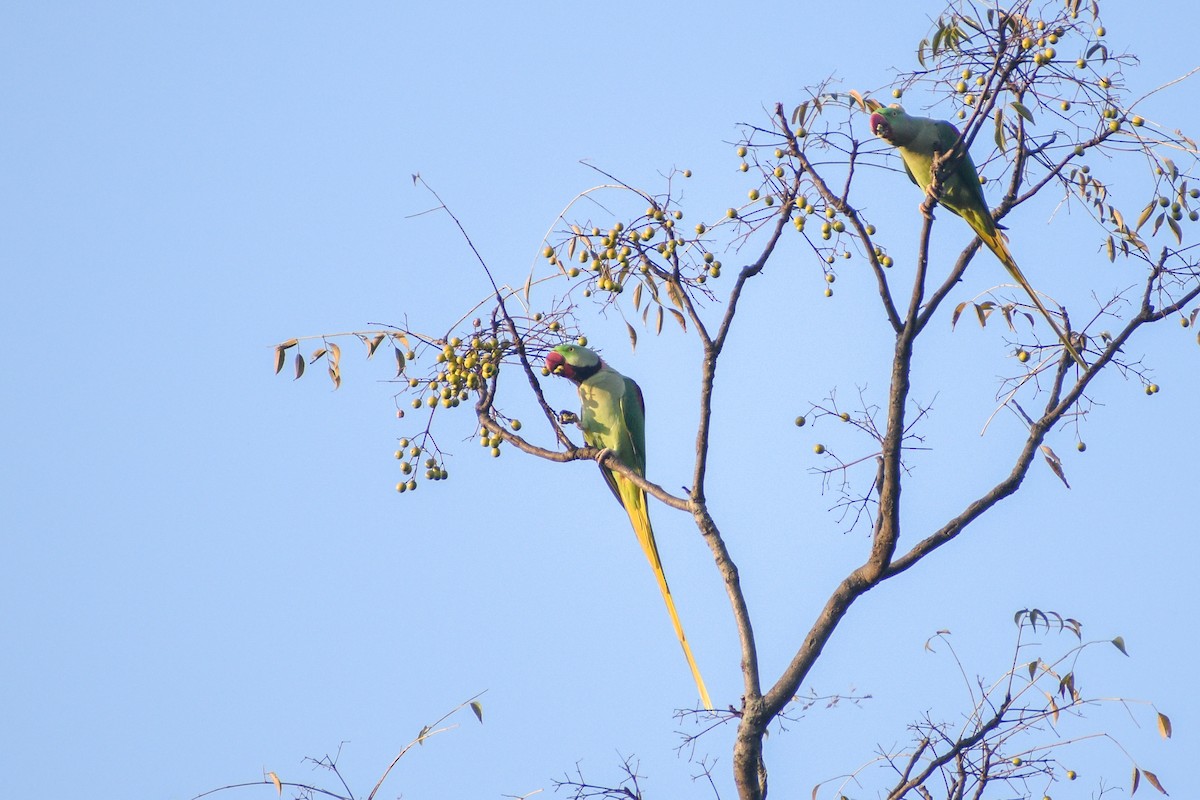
(633, 412)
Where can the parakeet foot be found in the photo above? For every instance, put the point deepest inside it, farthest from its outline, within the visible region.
(568, 418)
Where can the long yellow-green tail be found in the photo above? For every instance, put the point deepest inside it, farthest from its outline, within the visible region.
(634, 500)
(995, 242)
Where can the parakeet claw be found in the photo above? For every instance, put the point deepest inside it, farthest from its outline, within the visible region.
(604, 453)
(568, 418)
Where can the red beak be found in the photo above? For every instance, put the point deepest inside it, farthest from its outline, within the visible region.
(556, 362)
(880, 127)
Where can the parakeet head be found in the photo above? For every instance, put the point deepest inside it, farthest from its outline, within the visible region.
(889, 123)
(572, 361)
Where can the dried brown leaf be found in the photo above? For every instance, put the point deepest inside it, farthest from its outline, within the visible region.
(1055, 464)
(1150, 776)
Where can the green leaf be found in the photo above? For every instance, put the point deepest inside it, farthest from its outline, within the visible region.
(1146, 212)
(478, 709)
(1175, 229)
(1022, 110)
(1001, 140)
(1119, 643)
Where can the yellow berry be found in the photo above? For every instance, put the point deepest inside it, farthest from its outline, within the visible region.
(818, 449)
(800, 421)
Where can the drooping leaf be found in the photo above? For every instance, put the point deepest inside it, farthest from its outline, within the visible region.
(1119, 643)
(278, 784)
(299, 361)
(478, 709)
(679, 318)
(1150, 776)
(1001, 139)
(335, 353)
(1164, 725)
(675, 293)
(1110, 248)
(1137, 779)
(637, 296)
(317, 354)
(1146, 212)
(1022, 110)
(958, 309)
(1175, 229)
(399, 361)
(422, 735)
(799, 113)
(279, 355)
(1053, 708)
(632, 335)
(335, 375)
(659, 321)
(1055, 464)
(373, 344)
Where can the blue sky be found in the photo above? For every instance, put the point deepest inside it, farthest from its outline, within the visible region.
(207, 572)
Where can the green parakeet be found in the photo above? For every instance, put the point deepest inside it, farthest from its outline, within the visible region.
(613, 417)
(917, 139)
